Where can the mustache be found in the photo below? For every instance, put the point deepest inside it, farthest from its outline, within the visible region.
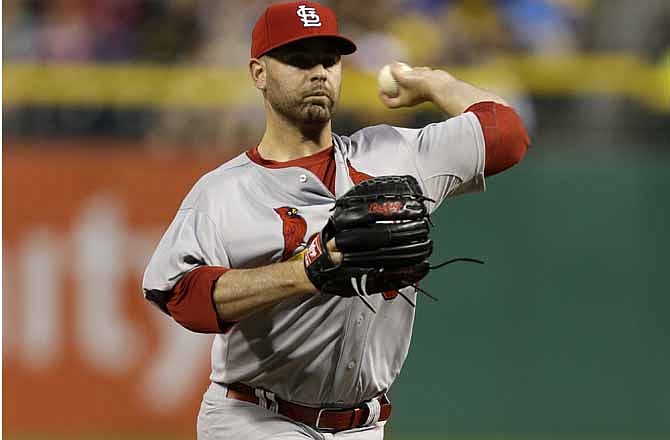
(319, 91)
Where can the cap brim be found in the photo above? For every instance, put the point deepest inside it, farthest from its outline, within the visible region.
(344, 45)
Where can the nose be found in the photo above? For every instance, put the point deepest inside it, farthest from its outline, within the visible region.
(318, 73)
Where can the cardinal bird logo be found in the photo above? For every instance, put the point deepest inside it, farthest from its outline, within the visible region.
(294, 228)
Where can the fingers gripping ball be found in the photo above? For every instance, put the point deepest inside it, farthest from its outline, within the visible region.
(387, 83)
(381, 228)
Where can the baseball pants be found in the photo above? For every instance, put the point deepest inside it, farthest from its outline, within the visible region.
(221, 418)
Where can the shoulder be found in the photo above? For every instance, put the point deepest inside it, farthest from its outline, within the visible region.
(375, 143)
(378, 150)
(373, 139)
(213, 188)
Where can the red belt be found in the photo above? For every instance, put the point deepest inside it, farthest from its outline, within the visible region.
(324, 419)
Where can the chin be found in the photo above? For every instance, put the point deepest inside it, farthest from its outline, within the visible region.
(318, 113)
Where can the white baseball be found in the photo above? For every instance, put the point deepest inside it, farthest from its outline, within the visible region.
(387, 84)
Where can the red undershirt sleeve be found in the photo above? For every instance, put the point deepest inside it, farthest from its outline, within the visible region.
(192, 304)
(505, 137)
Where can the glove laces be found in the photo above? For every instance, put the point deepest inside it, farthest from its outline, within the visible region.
(437, 266)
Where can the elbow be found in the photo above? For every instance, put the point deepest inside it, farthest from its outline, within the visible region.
(194, 315)
(192, 305)
(505, 137)
(516, 143)
(509, 152)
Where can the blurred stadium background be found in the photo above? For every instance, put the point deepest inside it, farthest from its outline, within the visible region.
(113, 108)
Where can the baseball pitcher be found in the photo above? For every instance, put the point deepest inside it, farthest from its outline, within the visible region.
(303, 254)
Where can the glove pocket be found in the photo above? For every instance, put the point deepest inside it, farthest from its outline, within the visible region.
(390, 257)
(381, 235)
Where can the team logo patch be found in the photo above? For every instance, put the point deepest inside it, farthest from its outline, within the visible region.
(294, 229)
(385, 208)
(308, 16)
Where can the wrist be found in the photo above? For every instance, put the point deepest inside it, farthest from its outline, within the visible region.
(303, 283)
(439, 85)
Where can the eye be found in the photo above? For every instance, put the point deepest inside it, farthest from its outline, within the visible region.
(300, 60)
(307, 60)
(330, 60)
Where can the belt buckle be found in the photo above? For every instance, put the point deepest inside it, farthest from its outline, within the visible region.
(318, 418)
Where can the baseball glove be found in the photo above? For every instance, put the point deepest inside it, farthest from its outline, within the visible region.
(381, 227)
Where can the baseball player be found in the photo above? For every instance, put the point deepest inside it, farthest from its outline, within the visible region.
(290, 361)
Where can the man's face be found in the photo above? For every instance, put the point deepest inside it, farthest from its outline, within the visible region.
(303, 80)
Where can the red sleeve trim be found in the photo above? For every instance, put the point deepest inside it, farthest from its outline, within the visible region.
(505, 136)
(192, 304)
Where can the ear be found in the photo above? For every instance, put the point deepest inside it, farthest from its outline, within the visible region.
(258, 72)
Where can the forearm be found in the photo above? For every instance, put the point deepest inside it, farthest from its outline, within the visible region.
(454, 96)
(241, 292)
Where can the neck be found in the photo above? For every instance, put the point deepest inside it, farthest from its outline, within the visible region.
(283, 140)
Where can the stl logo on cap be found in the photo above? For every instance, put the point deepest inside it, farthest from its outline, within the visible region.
(284, 23)
(308, 16)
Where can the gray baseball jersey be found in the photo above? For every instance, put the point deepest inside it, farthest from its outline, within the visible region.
(315, 350)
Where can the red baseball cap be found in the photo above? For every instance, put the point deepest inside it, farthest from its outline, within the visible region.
(288, 22)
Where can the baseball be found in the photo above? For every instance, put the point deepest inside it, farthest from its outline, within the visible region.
(387, 84)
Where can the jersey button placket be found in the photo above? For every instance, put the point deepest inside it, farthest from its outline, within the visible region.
(348, 369)
(359, 321)
(351, 365)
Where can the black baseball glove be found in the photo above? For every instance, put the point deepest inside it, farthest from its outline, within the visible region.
(381, 227)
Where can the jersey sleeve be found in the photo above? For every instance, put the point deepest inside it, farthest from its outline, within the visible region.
(191, 241)
(450, 156)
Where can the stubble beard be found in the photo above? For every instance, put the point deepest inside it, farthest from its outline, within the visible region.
(303, 111)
